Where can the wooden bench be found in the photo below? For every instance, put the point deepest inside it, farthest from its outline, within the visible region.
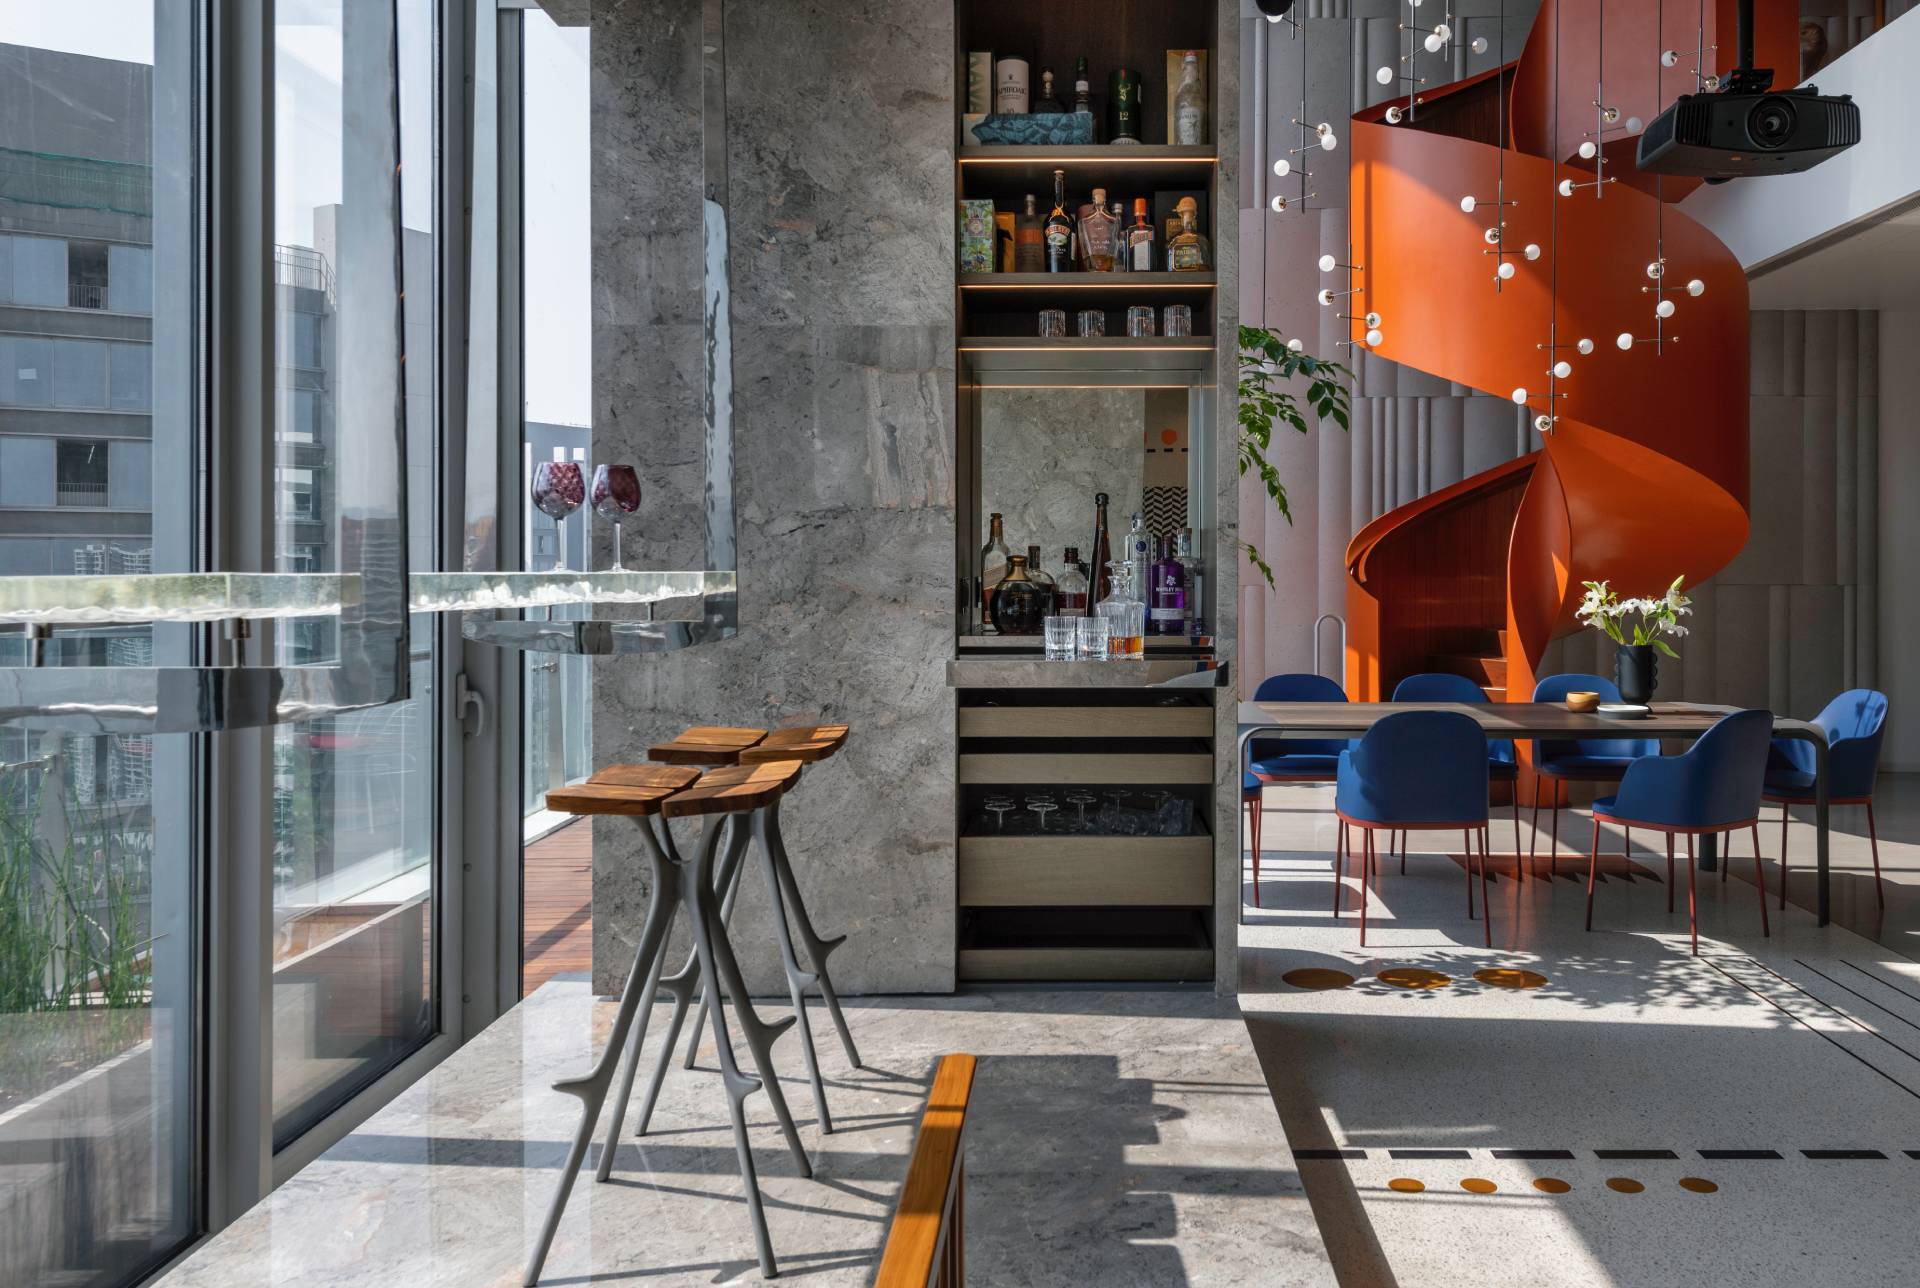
(926, 1246)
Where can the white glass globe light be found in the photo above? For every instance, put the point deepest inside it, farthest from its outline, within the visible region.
(1479, 45)
(1585, 345)
(1532, 250)
(1435, 43)
(1634, 124)
(1374, 337)
(1394, 114)
(1279, 205)
(1520, 395)
(1443, 31)
(1696, 288)
(1384, 75)
(1283, 167)
(1327, 140)
(1624, 339)
(1505, 271)
(1296, 344)
(1327, 263)
(1562, 369)
(1467, 204)
(1372, 320)
(1610, 114)
(1566, 187)
(1543, 423)
(1588, 150)
(1669, 57)
(1491, 236)
(1657, 269)
(1664, 309)
(1326, 297)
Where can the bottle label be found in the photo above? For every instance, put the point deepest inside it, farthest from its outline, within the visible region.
(1189, 123)
(1169, 614)
(1140, 255)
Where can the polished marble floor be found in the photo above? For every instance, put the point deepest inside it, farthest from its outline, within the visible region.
(1116, 1138)
(1641, 1117)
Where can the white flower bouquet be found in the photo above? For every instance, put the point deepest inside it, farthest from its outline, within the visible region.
(1636, 622)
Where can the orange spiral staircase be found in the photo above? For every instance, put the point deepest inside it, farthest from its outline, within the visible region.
(1644, 475)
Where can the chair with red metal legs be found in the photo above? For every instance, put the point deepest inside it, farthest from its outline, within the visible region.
(1250, 797)
(1711, 788)
(1295, 760)
(1502, 764)
(1413, 771)
(1854, 723)
(1581, 760)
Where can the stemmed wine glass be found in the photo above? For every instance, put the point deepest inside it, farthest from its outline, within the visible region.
(557, 492)
(616, 494)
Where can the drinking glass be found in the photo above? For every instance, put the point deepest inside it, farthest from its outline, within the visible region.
(1093, 322)
(1140, 320)
(1053, 324)
(616, 494)
(1092, 633)
(1060, 636)
(557, 492)
(1176, 320)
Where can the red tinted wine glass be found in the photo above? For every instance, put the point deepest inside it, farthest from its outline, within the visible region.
(557, 492)
(616, 494)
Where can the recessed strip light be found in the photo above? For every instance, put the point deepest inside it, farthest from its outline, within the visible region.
(1082, 158)
(1088, 286)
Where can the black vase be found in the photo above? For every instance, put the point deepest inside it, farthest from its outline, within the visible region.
(1636, 669)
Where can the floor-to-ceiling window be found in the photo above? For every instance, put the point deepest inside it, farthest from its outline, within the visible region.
(556, 742)
(354, 819)
(99, 867)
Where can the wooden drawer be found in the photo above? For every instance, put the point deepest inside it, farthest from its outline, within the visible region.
(1036, 871)
(1086, 722)
(1072, 768)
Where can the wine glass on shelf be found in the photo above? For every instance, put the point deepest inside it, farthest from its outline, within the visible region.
(557, 492)
(616, 494)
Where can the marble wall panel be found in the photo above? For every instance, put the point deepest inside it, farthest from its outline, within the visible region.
(1045, 452)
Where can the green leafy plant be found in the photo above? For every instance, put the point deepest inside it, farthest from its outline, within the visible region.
(1638, 622)
(1267, 366)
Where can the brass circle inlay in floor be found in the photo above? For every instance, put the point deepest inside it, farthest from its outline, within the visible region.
(1699, 1185)
(1413, 977)
(1317, 977)
(1406, 1185)
(1551, 1185)
(1478, 1185)
(1624, 1185)
(1504, 977)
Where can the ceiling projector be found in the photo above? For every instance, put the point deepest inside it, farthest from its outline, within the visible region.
(1748, 128)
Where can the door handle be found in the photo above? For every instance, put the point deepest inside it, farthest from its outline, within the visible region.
(467, 698)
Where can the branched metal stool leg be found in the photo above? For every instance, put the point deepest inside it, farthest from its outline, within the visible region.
(798, 980)
(728, 882)
(592, 1089)
(817, 948)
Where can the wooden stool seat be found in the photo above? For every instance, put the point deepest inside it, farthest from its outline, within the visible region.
(623, 789)
(807, 745)
(706, 745)
(733, 790)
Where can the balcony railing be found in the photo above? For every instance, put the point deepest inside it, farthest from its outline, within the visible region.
(86, 295)
(80, 494)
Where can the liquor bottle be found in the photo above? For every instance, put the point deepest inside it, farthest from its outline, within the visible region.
(1123, 106)
(1071, 599)
(1119, 239)
(1082, 93)
(1018, 601)
(1167, 598)
(1043, 579)
(1139, 557)
(993, 567)
(1189, 124)
(1097, 229)
(1190, 571)
(1102, 577)
(1127, 613)
(1137, 248)
(1186, 253)
(1059, 229)
(1047, 102)
(1010, 92)
(1029, 240)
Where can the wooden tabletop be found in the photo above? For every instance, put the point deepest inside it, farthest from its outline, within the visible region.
(1507, 719)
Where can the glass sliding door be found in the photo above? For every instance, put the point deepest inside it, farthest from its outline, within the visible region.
(100, 875)
(556, 731)
(355, 820)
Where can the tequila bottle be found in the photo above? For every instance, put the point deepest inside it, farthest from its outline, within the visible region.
(993, 568)
(1187, 253)
(1097, 229)
(1059, 229)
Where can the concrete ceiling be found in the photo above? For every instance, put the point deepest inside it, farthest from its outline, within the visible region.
(1872, 265)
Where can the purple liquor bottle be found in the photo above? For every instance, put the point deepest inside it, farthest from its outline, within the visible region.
(1166, 591)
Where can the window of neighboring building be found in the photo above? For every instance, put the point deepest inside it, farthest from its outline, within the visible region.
(86, 275)
(39, 271)
(25, 380)
(79, 373)
(130, 383)
(130, 279)
(80, 472)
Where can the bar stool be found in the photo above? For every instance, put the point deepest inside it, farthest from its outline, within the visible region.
(664, 792)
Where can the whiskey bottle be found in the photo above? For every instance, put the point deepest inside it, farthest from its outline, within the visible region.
(1123, 106)
(1029, 240)
(1137, 247)
(1102, 579)
(1070, 599)
(1097, 229)
(1047, 102)
(1018, 602)
(1049, 587)
(1059, 228)
(993, 568)
(1186, 253)
(1082, 94)
(1189, 124)
(1167, 596)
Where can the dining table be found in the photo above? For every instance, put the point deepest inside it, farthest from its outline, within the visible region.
(1679, 721)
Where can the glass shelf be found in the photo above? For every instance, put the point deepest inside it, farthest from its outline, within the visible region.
(209, 597)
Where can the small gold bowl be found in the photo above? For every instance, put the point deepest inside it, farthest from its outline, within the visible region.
(1583, 700)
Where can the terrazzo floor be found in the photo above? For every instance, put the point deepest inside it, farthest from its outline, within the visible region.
(1642, 1116)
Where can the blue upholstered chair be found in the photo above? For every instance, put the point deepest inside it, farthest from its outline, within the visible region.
(1579, 760)
(1714, 786)
(1250, 798)
(1854, 724)
(1275, 760)
(1502, 765)
(1414, 770)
